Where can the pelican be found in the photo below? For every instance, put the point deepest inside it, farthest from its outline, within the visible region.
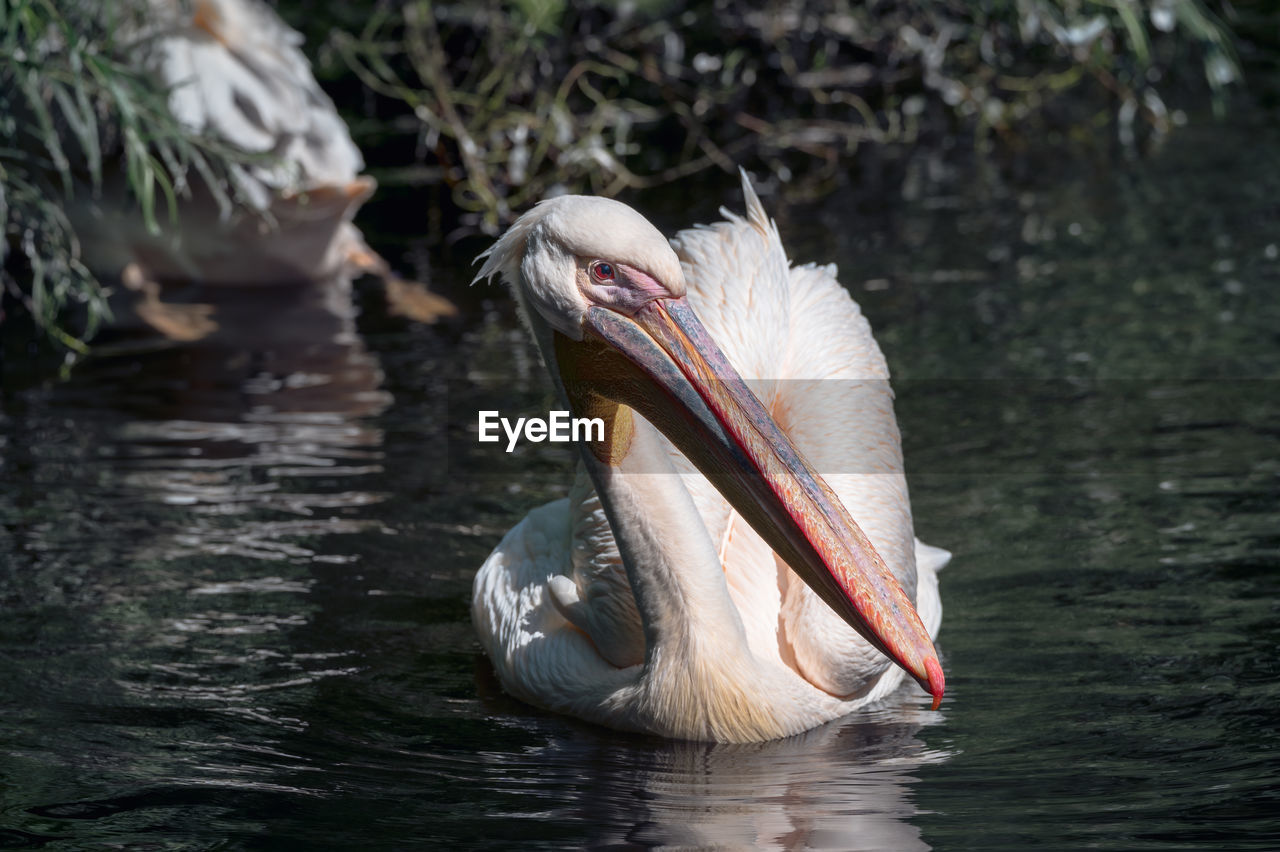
(234, 71)
(702, 581)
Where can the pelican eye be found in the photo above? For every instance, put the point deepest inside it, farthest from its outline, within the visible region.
(602, 271)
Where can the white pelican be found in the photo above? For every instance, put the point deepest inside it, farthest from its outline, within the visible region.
(651, 599)
(234, 71)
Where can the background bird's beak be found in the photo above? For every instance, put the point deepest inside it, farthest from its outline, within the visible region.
(662, 362)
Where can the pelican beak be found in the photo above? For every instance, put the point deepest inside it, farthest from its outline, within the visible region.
(662, 362)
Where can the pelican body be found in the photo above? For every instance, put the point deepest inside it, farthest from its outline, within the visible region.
(234, 71)
(703, 580)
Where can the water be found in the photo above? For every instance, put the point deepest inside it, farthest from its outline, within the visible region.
(234, 575)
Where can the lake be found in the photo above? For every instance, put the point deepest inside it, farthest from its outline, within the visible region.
(235, 574)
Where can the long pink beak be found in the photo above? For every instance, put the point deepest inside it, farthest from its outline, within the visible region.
(674, 374)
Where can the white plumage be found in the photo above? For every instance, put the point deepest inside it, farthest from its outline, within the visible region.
(234, 71)
(706, 634)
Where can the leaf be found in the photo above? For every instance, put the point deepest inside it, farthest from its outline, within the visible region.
(30, 83)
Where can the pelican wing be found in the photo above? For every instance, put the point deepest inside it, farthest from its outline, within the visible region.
(539, 656)
(805, 347)
(838, 408)
(595, 595)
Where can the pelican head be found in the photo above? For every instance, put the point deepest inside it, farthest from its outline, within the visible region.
(576, 252)
(605, 296)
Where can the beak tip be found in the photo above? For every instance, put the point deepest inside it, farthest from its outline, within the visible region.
(937, 683)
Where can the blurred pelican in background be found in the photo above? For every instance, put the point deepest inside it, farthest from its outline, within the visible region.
(702, 581)
(234, 71)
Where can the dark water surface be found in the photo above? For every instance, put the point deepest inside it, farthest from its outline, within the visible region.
(234, 575)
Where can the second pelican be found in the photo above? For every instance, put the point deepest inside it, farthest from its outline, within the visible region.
(703, 581)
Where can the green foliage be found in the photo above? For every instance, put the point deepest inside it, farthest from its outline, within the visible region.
(510, 102)
(543, 15)
(635, 95)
